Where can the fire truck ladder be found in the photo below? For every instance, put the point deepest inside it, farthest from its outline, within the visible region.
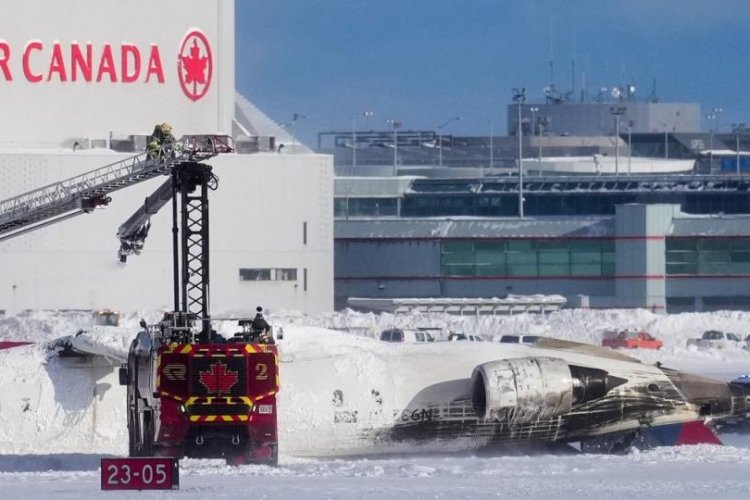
(187, 188)
(81, 194)
(191, 181)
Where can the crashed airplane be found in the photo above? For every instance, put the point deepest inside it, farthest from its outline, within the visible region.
(343, 394)
(467, 395)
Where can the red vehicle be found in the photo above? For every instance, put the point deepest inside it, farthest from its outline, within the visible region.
(206, 400)
(632, 339)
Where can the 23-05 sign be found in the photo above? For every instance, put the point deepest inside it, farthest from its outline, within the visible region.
(143, 473)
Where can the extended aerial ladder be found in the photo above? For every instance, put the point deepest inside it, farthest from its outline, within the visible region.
(83, 193)
(189, 392)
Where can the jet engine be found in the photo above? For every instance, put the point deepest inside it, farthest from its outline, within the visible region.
(525, 390)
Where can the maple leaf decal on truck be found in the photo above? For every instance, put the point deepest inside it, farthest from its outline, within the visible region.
(217, 379)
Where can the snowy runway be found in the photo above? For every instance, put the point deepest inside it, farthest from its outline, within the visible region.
(57, 423)
(684, 472)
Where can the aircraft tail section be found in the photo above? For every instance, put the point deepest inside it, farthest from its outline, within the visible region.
(695, 432)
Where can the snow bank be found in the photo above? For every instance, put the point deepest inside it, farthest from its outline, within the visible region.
(54, 405)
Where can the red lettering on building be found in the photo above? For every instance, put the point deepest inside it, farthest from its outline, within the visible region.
(78, 63)
(88, 62)
(27, 64)
(57, 64)
(128, 51)
(107, 65)
(4, 58)
(154, 65)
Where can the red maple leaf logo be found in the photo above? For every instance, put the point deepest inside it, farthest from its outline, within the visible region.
(195, 65)
(217, 379)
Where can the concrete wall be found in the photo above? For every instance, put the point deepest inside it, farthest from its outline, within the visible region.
(256, 221)
(37, 40)
(640, 248)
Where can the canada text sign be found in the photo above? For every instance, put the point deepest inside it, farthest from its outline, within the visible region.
(41, 62)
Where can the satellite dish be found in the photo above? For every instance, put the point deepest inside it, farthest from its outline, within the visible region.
(631, 89)
(616, 92)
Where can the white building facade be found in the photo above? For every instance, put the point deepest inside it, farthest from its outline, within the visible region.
(86, 74)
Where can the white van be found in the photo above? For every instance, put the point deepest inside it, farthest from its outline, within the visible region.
(411, 336)
(454, 337)
(519, 339)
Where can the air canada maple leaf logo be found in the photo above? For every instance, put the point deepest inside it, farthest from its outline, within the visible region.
(195, 65)
(217, 379)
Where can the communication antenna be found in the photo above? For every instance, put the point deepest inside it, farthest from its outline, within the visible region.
(583, 86)
(653, 97)
(573, 64)
(572, 76)
(551, 56)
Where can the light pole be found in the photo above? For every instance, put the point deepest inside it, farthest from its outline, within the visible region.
(617, 111)
(630, 143)
(492, 150)
(542, 124)
(354, 143)
(519, 96)
(738, 152)
(712, 116)
(440, 138)
(290, 126)
(396, 125)
(367, 115)
(533, 110)
(738, 128)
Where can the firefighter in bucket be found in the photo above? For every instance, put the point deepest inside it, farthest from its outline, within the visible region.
(161, 141)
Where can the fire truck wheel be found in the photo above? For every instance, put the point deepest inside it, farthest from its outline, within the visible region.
(147, 449)
(132, 445)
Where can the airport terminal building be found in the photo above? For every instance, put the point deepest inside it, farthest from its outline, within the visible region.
(669, 243)
(81, 88)
(650, 256)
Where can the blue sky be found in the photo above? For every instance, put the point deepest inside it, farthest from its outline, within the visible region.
(426, 61)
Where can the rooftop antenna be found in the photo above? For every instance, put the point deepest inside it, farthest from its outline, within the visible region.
(551, 57)
(583, 86)
(573, 64)
(573, 77)
(653, 97)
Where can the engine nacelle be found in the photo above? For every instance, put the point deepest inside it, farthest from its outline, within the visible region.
(524, 390)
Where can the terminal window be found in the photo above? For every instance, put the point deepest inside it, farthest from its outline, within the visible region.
(706, 256)
(268, 274)
(526, 257)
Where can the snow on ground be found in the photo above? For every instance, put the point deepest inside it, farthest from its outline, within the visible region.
(57, 419)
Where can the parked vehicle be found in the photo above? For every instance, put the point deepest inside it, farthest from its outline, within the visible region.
(107, 317)
(631, 339)
(738, 423)
(411, 336)
(743, 380)
(519, 339)
(464, 336)
(715, 339)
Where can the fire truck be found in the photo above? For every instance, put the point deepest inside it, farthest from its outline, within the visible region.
(190, 391)
(196, 397)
